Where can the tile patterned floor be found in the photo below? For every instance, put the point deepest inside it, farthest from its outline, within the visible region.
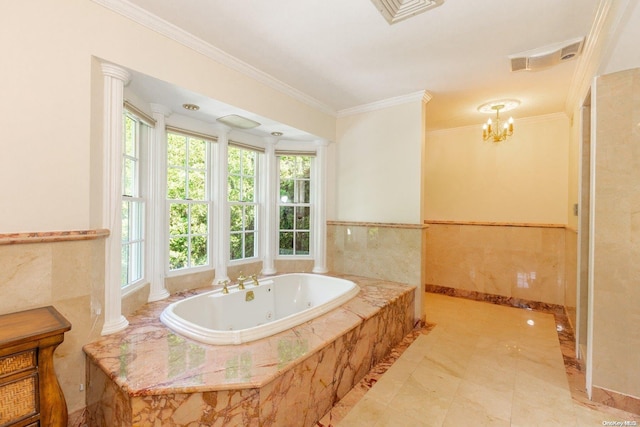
(476, 364)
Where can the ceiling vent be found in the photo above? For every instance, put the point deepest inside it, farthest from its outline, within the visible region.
(398, 10)
(548, 56)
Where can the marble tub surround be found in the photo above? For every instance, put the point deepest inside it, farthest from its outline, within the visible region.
(525, 261)
(147, 373)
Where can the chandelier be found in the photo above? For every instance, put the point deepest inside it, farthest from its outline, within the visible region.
(498, 131)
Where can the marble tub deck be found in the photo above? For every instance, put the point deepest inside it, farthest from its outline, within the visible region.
(148, 375)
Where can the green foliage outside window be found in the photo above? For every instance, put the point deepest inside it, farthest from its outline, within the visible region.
(242, 167)
(295, 205)
(187, 164)
(132, 210)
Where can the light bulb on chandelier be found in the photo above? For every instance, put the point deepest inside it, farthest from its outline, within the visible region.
(498, 132)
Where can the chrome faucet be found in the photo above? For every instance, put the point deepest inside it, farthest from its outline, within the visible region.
(241, 280)
(254, 277)
(224, 284)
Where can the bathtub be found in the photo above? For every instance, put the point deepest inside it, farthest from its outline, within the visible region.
(243, 315)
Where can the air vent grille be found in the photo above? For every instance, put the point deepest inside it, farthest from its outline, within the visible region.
(540, 59)
(398, 10)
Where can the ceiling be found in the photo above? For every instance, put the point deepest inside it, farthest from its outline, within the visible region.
(344, 54)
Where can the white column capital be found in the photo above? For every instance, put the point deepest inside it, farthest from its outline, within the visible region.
(222, 129)
(160, 109)
(116, 72)
(322, 142)
(270, 140)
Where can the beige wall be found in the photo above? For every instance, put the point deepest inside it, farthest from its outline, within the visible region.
(616, 294)
(377, 167)
(46, 101)
(523, 179)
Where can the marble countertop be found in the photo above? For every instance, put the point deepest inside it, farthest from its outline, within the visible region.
(147, 358)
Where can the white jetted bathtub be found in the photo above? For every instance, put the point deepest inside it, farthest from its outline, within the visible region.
(276, 304)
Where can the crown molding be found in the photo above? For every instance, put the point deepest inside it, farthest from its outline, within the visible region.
(177, 34)
(422, 95)
(601, 34)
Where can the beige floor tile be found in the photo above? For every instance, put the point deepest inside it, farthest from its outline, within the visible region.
(462, 413)
(432, 380)
(386, 388)
(528, 412)
(494, 404)
(395, 418)
(365, 414)
(401, 369)
(491, 373)
(418, 403)
(481, 365)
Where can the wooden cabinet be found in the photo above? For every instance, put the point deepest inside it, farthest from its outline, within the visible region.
(29, 391)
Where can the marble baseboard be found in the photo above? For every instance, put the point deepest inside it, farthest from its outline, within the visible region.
(496, 299)
(77, 418)
(616, 400)
(146, 373)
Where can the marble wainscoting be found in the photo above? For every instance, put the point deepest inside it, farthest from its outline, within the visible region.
(571, 274)
(523, 261)
(384, 251)
(64, 269)
(147, 375)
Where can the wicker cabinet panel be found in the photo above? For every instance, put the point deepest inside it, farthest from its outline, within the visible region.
(18, 399)
(17, 362)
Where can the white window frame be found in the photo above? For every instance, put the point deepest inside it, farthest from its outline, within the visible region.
(137, 203)
(245, 204)
(209, 157)
(311, 205)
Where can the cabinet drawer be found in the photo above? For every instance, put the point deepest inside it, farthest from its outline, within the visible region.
(17, 362)
(18, 399)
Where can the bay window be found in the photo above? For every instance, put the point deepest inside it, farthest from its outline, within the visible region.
(294, 231)
(188, 200)
(133, 204)
(243, 206)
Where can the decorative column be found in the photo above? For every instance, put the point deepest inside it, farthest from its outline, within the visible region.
(270, 221)
(320, 203)
(157, 205)
(114, 80)
(221, 225)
